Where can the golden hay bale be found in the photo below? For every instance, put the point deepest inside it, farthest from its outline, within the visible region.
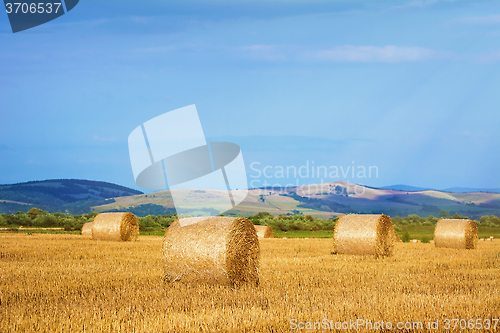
(115, 226)
(364, 234)
(263, 231)
(456, 234)
(216, 250)
(394, 235)
(87, 229)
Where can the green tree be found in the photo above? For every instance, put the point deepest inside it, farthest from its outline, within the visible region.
(431, 220)
(406, 237)
(456, 216)
(397, 220)
(45, 221)
(444, 213)
(263, 215)
(34, 212)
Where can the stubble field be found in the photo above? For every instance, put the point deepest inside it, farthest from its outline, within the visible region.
(66, 283)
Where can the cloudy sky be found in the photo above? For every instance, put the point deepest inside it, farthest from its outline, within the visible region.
(409, 87)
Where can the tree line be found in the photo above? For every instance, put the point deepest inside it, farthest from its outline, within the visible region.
(37, 218)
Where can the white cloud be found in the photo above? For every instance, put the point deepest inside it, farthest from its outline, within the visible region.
(488, 58)
(388, 54)
(141, 19)
(98, 138)
(483, 20)
(157, 49)
(345, 53)
(421, 3)
(269, 52)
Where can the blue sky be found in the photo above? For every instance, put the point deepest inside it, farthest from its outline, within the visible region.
(411, 87)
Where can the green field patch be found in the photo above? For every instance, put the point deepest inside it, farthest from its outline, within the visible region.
(284, 203)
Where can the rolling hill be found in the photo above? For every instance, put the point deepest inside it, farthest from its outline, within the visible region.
(326, 200)
(60, 195)
(320, 200)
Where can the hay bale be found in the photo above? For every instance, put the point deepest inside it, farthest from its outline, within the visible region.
(456, 234)
(218, 249)
(115, 227)
(87, 229)
(395, 236)
(263, 231)
(364, 234)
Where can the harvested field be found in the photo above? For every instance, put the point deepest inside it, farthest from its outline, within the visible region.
(66, 283)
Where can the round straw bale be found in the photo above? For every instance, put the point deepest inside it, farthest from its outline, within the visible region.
(364, 234)
(217, 249)
(263, 231)
(394, 235)
(115, 226)
(87, 229)
(456, 234)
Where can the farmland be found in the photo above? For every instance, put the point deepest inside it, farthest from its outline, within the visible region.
(326, 200)
(62, 283)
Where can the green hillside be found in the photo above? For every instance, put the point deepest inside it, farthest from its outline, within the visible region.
(325, 201)
(62, 195)
(318, 200)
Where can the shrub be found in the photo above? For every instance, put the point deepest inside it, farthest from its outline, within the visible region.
(396, 220)
(406, 237)
(45, 221)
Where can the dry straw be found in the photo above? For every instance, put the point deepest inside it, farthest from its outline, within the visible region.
(364, 234)
(221, 250)
(87, 229)
(264, 231)
(394, 235)
(456, 234)
(115, 226)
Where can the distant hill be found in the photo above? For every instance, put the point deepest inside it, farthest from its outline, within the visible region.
(320, 200)
(405, 188)
(60, 195)
(470, 190)
(323, 200)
